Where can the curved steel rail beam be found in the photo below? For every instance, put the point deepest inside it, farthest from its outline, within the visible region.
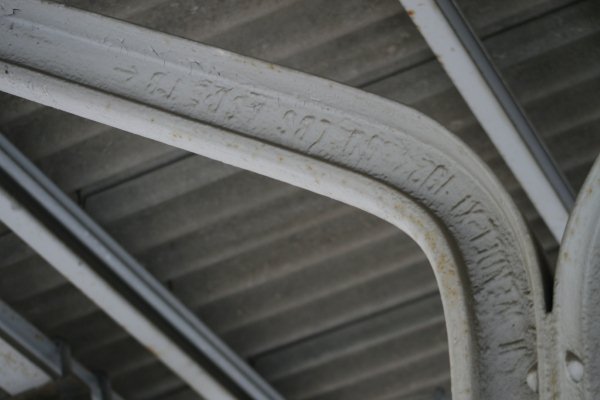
(340, 142)
(577, 302)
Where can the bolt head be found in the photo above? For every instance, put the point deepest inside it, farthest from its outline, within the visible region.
(575, 368)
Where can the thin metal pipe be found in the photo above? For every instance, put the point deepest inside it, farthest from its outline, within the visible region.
(465, 60)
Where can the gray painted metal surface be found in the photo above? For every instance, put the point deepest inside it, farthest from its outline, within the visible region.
(577, 360)
(18, 373)
(301, 286)
(27, 351)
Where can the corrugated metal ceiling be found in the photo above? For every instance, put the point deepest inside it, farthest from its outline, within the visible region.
(325, 301)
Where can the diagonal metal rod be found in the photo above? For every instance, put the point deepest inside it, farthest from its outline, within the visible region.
(465, 60)
(180, 335)
(516, 114)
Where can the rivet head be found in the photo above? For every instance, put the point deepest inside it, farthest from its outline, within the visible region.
(532, 378)
(574, 367)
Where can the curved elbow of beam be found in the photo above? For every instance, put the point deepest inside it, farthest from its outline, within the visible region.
(340, 142)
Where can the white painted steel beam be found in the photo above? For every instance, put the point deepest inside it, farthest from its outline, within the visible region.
(29, 360)
(58, 254)
(337, 141)
(105, 279)
(466, 63)
(18, 374)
